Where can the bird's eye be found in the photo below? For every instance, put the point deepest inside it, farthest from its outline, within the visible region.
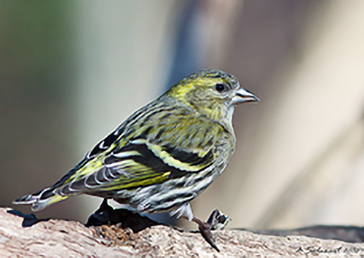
(220, 87)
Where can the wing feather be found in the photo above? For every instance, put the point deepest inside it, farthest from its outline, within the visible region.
(140, 163)
(129, 159)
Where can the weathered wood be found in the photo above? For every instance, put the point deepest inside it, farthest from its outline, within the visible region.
(60, 238)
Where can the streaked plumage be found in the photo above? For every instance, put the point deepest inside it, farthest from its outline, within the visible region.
(164, 154)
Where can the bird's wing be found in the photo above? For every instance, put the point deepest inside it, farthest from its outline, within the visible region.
(141, 161)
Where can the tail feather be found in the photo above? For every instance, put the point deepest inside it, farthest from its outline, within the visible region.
(41, 199)
(26, 199)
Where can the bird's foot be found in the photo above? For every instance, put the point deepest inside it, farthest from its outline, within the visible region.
(205, 230)
(101, 216)
(218, 220)
(124, 218)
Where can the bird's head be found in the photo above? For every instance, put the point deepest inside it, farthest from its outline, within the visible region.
(213, 93)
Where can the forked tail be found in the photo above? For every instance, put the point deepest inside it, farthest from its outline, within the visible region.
(41, 199)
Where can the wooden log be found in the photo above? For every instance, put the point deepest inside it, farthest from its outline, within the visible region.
(61, 238)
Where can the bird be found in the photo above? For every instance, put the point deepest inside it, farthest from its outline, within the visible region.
(164, 155)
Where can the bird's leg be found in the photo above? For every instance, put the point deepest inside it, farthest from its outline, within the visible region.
(185, 211)
(101, 216)
(104, 206)
(217, 220)
(205, 230)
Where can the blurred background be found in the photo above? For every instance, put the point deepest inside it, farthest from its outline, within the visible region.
(72, 71)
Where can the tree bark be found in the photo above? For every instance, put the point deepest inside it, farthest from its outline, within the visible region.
(60, 238)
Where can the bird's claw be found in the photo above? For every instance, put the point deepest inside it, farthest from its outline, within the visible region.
(205, 230)
(218, 220)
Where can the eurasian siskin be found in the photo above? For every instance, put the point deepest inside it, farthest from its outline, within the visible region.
(163, 155)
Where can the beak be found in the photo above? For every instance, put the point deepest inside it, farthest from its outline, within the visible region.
(242, 96)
